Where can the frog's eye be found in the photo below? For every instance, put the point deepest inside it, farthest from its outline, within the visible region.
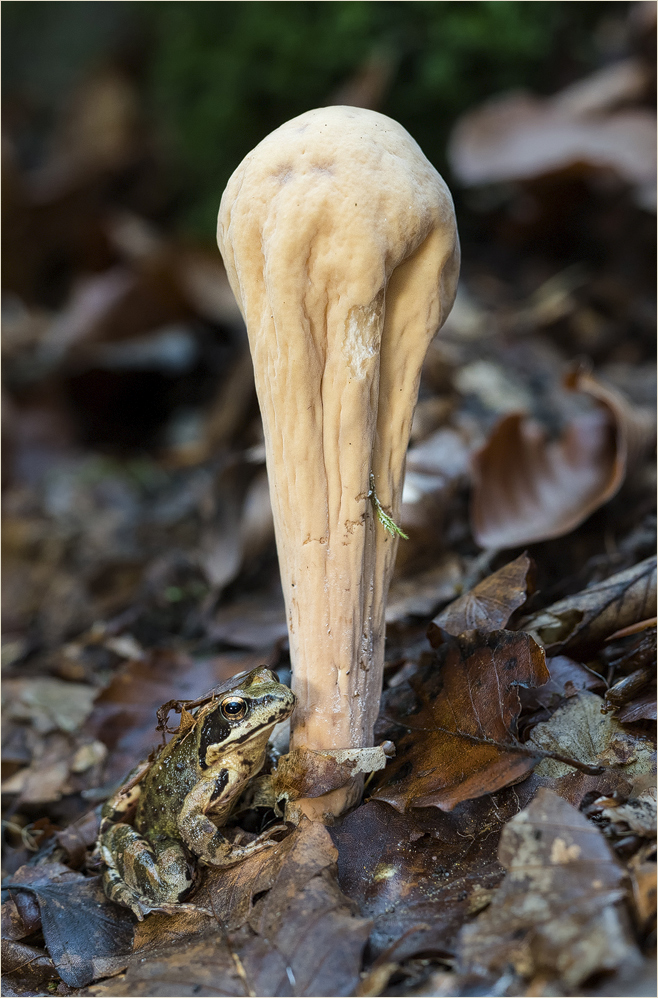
(234, 708)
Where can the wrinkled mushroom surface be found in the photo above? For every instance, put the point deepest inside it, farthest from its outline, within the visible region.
(340, 244)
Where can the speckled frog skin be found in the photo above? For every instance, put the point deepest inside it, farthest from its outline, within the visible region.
(197, 776)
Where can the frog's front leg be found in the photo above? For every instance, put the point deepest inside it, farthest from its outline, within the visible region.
(205, 839)
(142, 877)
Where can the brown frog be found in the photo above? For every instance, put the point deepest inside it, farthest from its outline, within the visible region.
(182, 798)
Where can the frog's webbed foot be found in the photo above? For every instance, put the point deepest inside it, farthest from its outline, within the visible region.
(140, 877)
(118, 891)
(214, 849)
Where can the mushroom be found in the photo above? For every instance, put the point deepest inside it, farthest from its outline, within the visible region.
(340, 244)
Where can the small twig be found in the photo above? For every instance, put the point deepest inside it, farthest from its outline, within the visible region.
(387, 523)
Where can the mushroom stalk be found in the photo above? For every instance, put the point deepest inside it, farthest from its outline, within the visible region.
(340, 245)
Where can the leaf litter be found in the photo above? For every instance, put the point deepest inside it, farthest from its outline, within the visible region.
(139, 568)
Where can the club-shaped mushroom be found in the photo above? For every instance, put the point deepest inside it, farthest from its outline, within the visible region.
(340, 244)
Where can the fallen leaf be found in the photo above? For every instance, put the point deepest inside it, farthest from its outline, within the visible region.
(299, 934)
(47, 776)
(529, 488)
(554, 912)
(28, 965)
(583, 621)
(48, 703)
(230, 893)
(85, 936)
(582, 732)
(79, 836)
(567, 678)
(459, 741)
(638, 813)
(419, 875)
(642, 708)
(489, 605)
(518, 136)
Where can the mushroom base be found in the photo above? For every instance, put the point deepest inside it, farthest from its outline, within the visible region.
(327, 808)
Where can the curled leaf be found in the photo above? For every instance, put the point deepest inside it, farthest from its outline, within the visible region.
(487, 606)
(518, 136)
(529, 488)
(585, 620)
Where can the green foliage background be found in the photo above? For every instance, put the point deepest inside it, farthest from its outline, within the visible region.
(217, 77)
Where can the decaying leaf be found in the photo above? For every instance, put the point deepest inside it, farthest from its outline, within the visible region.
(555, 911)
(47, 776)
(489, 605)
(583, 621)
(518, 136)
(49, 704)
(459, 741)
(582, 732)
(642, 870)
(85, 937)
(281, 926)
(305, 773)
(418, 875)
(528, 488)
(638, 814)
(567, 678)
(627, 689)
(28, 966)
(642, 708)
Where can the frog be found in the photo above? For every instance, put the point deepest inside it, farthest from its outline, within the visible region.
(167, 818)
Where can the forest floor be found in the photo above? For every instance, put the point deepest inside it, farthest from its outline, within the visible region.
(139, 567)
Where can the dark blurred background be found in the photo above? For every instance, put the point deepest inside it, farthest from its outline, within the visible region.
(133, 460)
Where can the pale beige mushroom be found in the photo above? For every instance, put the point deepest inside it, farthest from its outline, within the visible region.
(340, 244)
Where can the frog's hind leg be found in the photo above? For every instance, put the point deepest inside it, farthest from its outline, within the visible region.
(141, 877)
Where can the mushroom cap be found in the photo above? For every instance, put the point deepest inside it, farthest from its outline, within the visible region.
(351, 183)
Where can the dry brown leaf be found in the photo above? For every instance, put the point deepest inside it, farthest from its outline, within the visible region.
(489, 605)
(582, 622)
(298, 934)
(459, 741)
(642, 870)
(642, 708)
(554, 912)
(518, 136)
(527, 488)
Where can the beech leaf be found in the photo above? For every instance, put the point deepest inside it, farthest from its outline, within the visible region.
(489, 605)
(529, 488)
(459, 741)
(518, 136)
(583, 621)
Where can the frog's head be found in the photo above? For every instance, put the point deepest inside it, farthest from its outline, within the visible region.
(245, 713)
